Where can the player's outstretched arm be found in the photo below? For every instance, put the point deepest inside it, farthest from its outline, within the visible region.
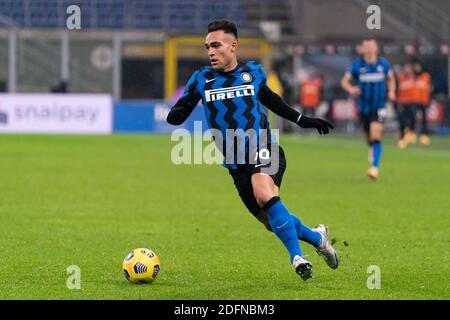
(179, 112)
(184, 106)
(276, 104)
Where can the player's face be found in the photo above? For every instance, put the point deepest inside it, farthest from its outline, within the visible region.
(221, 49)
(370, 51)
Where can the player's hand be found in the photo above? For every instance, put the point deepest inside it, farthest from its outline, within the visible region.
(354, 91)
(322, 126)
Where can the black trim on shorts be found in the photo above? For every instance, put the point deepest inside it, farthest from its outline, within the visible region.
(367, 119)
(242, 178)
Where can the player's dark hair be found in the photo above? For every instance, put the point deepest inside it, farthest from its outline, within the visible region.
(369, 38)
(225, 25)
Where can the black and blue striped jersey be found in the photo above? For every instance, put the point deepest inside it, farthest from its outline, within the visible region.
(372, 81)
(231, 100)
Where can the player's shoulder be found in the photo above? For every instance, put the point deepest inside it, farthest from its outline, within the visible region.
(254, 68)
(203, 70)
(252, 65)
(356, 65)
(383, 61)
(358, 62)
(203, 73)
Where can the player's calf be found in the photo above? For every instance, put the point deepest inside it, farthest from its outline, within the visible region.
(262, 217)
(282, 226)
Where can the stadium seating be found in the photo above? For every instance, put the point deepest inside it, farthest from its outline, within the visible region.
(172, 16)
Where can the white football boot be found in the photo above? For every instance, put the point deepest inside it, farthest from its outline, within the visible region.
(302, 267)
(325, 249)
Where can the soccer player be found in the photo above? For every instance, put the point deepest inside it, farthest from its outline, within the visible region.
(374, 82)
(233, 94)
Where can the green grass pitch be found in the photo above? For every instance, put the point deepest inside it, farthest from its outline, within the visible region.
(90, 200)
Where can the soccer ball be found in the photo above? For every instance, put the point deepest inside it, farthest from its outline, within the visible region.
(141, 266)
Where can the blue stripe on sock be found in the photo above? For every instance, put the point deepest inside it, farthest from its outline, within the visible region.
(306, 234)
(377, 151)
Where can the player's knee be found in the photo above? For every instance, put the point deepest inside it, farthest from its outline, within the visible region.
(375, 136)
(375, 139)
(376, 131)
(263, 195)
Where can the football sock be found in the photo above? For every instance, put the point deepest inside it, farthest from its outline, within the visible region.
(377, 151)
(306, 234)
(282, 225)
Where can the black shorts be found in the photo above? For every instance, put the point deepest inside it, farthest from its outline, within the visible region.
(242, 177)
(367, 119)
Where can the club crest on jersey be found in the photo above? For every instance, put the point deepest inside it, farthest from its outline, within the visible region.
(229, 93)
(246, 77)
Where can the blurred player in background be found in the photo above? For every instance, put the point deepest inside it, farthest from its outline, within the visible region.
(422, 99)
(233, 93)
(406, 108)
(372, 81)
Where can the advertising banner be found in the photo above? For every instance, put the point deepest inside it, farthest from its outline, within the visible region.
(56, 113)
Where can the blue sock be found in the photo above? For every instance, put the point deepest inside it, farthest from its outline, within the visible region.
(282, 225)
(377, 151)
(306, 234)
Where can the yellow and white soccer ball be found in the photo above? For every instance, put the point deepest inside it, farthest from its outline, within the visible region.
(141, 266)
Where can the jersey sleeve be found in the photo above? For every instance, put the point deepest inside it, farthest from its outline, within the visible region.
(274, 102)
(190, 95)
(187, 102)
(263, 75)
(386, 66)
(353, 70)
(264, 91)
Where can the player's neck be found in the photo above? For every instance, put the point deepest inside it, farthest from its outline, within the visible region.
(233, 65)
(371, 61)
